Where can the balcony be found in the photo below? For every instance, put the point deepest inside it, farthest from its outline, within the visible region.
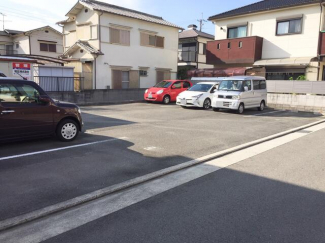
(187, 56)
(245, 50)
(6, 52)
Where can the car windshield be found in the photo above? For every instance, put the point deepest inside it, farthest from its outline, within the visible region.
(201, 87)
(231, 85)
(163, 84)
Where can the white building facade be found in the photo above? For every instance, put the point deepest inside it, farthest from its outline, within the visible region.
(291, 37)
(117, 48)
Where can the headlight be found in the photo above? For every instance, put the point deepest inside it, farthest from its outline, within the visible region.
(235, 97)
(160, 92)
(197, 97)
(146, 91)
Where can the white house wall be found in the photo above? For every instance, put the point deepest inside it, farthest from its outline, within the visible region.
(135, 55)
(264, 25)
(52, 37)
(23, 42)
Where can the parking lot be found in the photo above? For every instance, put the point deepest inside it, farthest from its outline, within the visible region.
(123, 142)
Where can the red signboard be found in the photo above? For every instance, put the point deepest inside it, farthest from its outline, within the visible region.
(20, 65)
(21, 69)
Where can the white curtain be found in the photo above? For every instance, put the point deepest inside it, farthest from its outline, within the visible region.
(283, 28)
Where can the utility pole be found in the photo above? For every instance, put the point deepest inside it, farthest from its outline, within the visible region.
(201, 21)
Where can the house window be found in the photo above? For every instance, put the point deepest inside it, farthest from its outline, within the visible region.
(237, 32)
(48, 47)
(204, 51)
(93, 32)
(286, 27)
(219, 46)
(143, 73)
(125, 79)
(152, 40)
(189, 52)
(118, 36)
(17, 45)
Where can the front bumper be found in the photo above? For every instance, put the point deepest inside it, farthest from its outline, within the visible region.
(153, 97)
(188, 102)
(225, 104)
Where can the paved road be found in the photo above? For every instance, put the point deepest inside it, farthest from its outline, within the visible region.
(136, 139)
(276, 196)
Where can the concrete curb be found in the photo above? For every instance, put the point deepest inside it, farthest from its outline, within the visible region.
(16, 221)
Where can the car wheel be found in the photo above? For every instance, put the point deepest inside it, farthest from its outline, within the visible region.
(166, 100)
(241, 109)
(206, 104)
(67, 130)
(262, 106)
(216, 109)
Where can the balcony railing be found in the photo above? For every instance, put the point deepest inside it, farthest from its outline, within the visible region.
(245, 50)
(187, 56)
(4, 52)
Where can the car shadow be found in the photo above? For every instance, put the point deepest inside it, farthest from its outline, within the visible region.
(39, 176)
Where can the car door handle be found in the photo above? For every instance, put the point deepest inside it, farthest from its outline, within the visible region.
(7, 112)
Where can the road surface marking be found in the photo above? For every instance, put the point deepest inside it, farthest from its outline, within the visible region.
(59, 149)
(59, 223)
(265, 113)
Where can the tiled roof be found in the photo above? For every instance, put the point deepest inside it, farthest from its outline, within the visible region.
(12, 32)
(109, 8)
(263, 6)
(84, 45)
(194, 33)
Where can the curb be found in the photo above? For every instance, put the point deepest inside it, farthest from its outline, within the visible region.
(19, 220)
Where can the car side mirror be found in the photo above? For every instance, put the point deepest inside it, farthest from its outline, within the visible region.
(246, 88)
(44, 99)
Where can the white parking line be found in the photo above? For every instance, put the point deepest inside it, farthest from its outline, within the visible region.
(59, 149)
(48, 227)
(265, 113)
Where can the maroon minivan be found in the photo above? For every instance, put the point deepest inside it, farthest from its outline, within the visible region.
(27, 112)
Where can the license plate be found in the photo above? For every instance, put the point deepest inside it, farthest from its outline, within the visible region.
(183, 102)
(150, 96)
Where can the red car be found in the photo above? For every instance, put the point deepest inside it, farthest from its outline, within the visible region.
(166, 91)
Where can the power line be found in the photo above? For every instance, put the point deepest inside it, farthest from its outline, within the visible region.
(21, 15)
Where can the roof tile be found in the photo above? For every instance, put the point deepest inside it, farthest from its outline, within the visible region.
(263, 6)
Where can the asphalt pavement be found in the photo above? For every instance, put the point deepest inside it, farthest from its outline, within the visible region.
(275, 196)
(123, 142)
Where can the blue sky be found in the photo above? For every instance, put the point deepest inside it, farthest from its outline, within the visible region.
(29, 14)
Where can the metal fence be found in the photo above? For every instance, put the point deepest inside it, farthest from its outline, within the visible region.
(296, 87)
(60, 84)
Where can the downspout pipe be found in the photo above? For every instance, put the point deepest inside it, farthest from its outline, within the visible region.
(320, 39)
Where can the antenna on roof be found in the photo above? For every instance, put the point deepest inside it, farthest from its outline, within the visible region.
(201, 21)
(3, 20)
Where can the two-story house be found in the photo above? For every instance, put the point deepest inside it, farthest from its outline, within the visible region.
(32, 53)
(281, 37)
(118, 48)
(44, 41)
(192, 49)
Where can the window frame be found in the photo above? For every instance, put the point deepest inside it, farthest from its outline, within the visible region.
(48, 47)
(142, 34)
(236, 27)
(288, 20)
(119, 31)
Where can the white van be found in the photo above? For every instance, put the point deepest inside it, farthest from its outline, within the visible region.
(240, 93)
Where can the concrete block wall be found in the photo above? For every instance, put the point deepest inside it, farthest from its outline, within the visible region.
(309, 103)
(98, 97)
